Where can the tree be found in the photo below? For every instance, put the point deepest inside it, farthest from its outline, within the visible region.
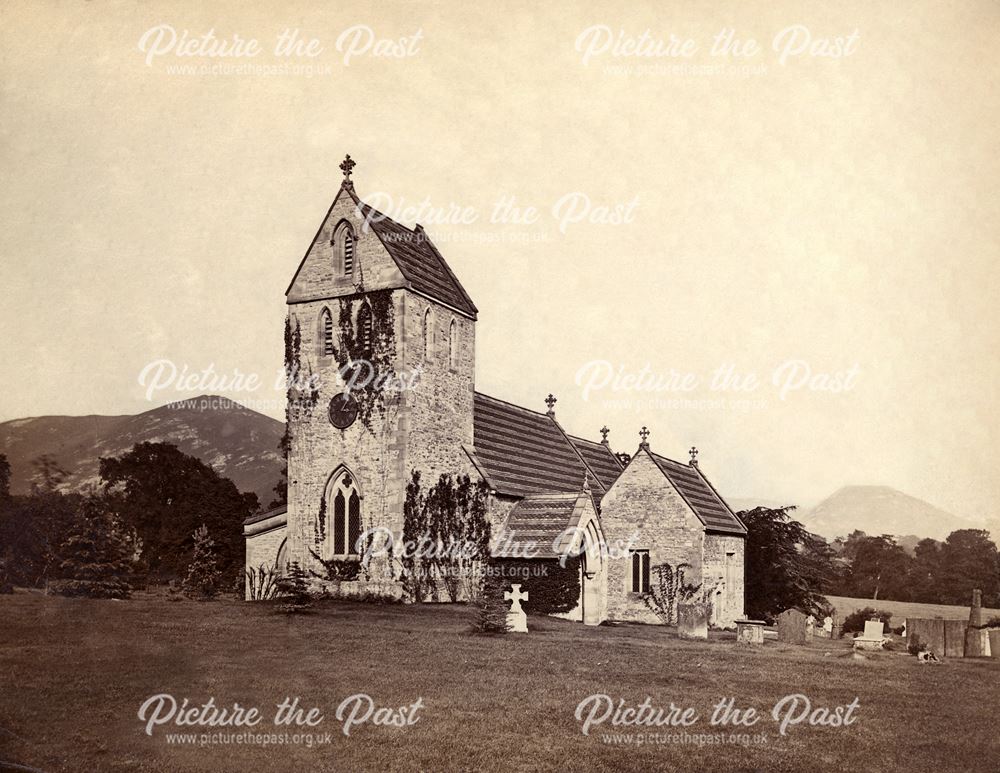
(925, 571)
(786, 566)
(96, 555)
(879, 568)
(969, 560)
(203, 577)
(32, 530)
(165, 495)
(49, 474)
(4, 478)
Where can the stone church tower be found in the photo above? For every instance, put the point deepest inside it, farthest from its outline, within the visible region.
(380, 340)
(372, 293)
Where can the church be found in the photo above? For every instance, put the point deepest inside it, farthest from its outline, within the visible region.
(372, 290)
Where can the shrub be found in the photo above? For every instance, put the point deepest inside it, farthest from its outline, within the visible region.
(551, 587)
(293, 588)
(993, 622)
(336, 570)
(258, 584)
(203, 576)
(855, 622)
(491, 608)
(668, 588)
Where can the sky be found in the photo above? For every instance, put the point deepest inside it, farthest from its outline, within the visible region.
(795, 243)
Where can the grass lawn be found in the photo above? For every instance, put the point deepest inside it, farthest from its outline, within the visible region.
(903, 609)
(73, 674)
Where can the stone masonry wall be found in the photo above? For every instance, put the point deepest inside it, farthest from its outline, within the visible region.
(263, 548)
(642, 500)
(423, 429)
(727, 574)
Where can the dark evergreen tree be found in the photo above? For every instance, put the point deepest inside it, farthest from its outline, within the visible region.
(204, 578)
(786, 566)
(293, 588)
(96, 555)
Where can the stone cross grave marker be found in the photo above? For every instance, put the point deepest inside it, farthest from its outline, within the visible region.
(517, 621)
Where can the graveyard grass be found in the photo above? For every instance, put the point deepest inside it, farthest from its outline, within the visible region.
(74, 673)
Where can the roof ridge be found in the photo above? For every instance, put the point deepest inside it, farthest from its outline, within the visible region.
(447, 268)
(668, 459)
(512, 405)
(586, 465)
(719, 496)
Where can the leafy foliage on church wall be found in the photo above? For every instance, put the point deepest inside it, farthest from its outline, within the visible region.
(448, 525)
(668, 590)
(379, 352)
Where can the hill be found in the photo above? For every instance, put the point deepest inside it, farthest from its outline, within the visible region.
(880, 510)
(239, 443)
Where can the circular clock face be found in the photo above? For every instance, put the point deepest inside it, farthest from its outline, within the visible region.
(343, 410)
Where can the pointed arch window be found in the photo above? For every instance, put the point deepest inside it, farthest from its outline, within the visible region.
(453, 344)
(344, 244)
(365, 330)
(326, 331)
(428, 334)
(346, 522)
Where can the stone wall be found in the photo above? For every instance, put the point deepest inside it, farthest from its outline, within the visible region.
(643, 501)
(263, 548)
(423, 428)
(723, 570)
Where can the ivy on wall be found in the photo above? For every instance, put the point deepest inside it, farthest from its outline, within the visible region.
(551, 587)
(449, 518)
(670, 588)
(320, 525)
(379, 352)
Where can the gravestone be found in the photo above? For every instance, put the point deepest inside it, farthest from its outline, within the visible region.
(517, 621)
(810, 626)
(828, 625)
(692, 620)
(994, 634)
(750, 632)
(954, 638)
(927, 633)
(873, 638)
(792, 627)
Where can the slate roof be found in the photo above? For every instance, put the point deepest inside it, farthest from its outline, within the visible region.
(599, 459)
(418, 259)
(537, 523)
(524, 452)
(699, 494)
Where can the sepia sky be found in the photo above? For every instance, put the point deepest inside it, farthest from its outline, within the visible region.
(840, 214)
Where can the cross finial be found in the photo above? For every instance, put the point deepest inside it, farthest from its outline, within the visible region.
(694, 456)
(550, 401)
(346, 166)
(604, 434)
(643, 434)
